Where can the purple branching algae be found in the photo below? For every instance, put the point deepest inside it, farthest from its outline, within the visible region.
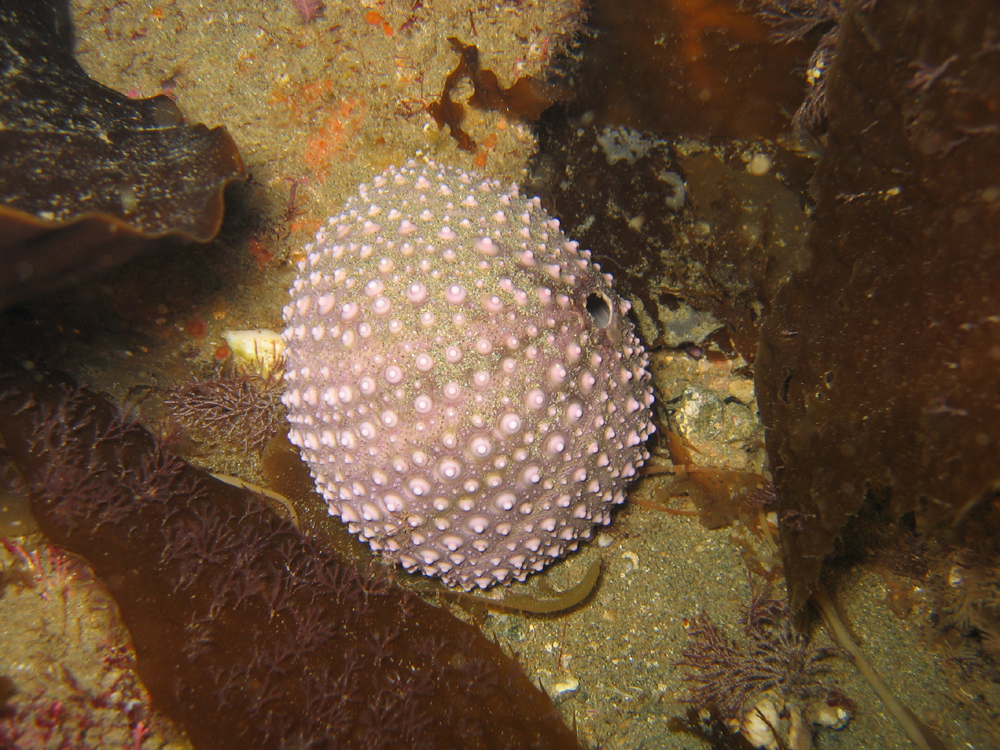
(240, 408)
(729, 677)
(245, 631)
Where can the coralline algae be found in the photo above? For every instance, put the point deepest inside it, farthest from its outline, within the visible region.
(461, 379)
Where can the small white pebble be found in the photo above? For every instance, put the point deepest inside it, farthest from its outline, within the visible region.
(759, 165)
(567, 684)
(633, 561)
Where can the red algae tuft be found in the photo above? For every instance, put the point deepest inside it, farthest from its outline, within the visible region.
(309, 10)
(242, 408)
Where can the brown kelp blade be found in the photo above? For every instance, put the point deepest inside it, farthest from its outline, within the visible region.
(89, 177)
(877, 368)
(247, 632)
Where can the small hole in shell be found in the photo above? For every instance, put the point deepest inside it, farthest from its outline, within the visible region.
(599, 309)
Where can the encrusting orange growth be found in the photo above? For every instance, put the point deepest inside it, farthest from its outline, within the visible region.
(304, 98)
(330, 124)
(327, 144)
(375, 19)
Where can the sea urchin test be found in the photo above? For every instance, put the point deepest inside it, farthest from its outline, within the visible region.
(461, 379)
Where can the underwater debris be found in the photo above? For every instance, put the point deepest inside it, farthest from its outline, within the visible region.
(773, 671)
(527, 98)
(246, 632)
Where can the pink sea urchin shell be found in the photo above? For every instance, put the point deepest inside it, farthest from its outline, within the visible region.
(461, 379)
